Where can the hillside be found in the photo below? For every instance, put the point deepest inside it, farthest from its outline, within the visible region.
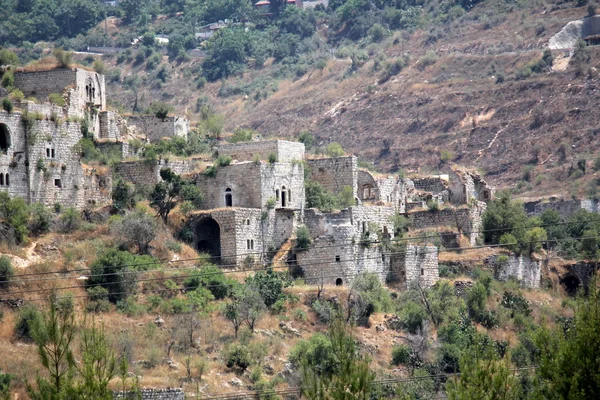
(455, 104)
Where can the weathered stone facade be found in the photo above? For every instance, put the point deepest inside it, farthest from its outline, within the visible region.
(151, 394)
(154, 128)
(414, 265)
(284, 151)
(335, 173)
(466, 186)
(253, 185)
(145, 172)
(466, 220)
(565, 208)
(525, 270)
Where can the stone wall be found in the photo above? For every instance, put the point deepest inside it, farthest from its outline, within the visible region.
(335, 173)
(151, 394)
(565, 208)
(415, 265)
(112, 126)
(252, 185)
(432, 185)
(285, 151)
(467, 220)
(523, 269)
(13, 159)
(157, 128)
(143, 172)
(466, 186)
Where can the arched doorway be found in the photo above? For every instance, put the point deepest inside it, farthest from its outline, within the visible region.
(339, 282)
(208, 236)
(4, 138)
(228, 198)
(571, 284)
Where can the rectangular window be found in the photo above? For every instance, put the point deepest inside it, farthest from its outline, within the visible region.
(383, 257)
(248, 244)
(48, 153)
(338, 258)
(53, 153)
(422, 272)
(58, 183)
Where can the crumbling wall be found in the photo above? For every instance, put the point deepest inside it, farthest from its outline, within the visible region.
(144, 172)
(283, 150)
(432, 185)
(41, 84)
(523, 269)
(13, 161)
(565, 208)
(415, 265)
(151, 394)
(157, 128)
(467, 220)
(335, 173)
(112, 126)
(466, 186)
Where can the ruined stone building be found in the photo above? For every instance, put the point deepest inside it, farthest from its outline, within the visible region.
(254, 205)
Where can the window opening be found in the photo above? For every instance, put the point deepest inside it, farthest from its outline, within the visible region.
(53, 154)
(339, 282)
(1, 179)
(277, 194)
(58, 183)
(7, 181)
(4, 138)
(338, 258)
(228, 198)
(283, 197)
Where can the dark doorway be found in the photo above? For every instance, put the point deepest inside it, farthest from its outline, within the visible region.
(571, 284)
(4, 138)
(283, 197)
(208, 236)
(339, 282)
(228, 198)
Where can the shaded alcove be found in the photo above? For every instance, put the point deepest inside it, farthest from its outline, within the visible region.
(571, 284)
(4, 138)
(208, 238)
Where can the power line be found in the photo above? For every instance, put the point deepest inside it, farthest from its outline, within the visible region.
(368, 242)
(301, 265)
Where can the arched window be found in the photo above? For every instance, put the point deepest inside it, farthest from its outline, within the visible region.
(6, 180)
(368, 192)
(339, 282)
(4, 138)
(1, 179)
(228, 198)
(277, 194)
(283, 197)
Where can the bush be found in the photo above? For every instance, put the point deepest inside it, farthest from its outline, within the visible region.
(272, 158)
(334, 150)
(413, 316)
(325, 311)
(401, 355)
(428, 59)
(138, 228)
(5, 380)
(40, 219)
(56, 99)
(303, 239)
(97, 300)
(14, 215)
(223, 161)
(238, 356)
(159, 109)
(17, 95)
(130, 307)
(64, 58)
(377, 32)
(212, 278)
(115, 271)
(69, 221)
(27, 318)
(516, 303)
(317, 353)
(6, 271)
(7, 105)
(269, 284)
(242, 135)
(393, 68)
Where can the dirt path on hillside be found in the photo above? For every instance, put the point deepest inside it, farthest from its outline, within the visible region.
(31, 257)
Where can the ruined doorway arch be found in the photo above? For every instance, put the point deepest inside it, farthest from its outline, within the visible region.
(571, 284)
(339, 282)
(228, 198)
(4, 138)
(208, 238)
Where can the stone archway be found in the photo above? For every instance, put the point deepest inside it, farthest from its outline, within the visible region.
(208, 238)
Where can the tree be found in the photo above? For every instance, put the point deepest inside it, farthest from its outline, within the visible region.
(269, 284)
(115, 271)
(568, 360)
(483, 376)
(40, 219)
(14, 215)
(231, 313)
(97, 365)
(171, 190)
(138, 228)
(226, 54)
(123, 196)
(351, 379)
(53, 334)
(251, 306)
(6, 272)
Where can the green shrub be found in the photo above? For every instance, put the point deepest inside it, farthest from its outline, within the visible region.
(393, 68)
(272, 158)
(516, 303)
(7, 105)
(269, 284)
(8, 79)
(325, 311)
(5, 380)
(334, 150)
(238, 357)
(6, 271)
(27, 318)
(223, 161)
(413, 317)
(401, 355)
(64, 58)
(40, 219)
(241, 135)
(56, 99)
(300, 315)
(17, 95)
(69, 221)
(212, 278)
(428, 59)
(14, 215)
(377, 32)
(303, 239)
(316, 353)
(97, 300)
(130, 307)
